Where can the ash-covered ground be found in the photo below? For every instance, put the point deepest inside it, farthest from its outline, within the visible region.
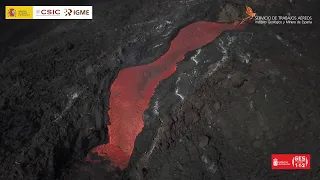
(228, 107)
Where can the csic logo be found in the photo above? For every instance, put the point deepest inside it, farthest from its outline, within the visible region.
(69, 12)
(12, 12)
(48, 12)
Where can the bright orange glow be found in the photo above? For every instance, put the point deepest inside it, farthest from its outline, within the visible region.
(132, 89)
(250, 14)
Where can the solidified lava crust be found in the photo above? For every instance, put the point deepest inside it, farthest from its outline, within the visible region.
(131, 91)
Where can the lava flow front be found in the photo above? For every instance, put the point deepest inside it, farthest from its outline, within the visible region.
(132, 89)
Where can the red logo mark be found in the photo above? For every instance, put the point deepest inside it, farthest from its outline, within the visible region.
(290, 161)
(12, 12)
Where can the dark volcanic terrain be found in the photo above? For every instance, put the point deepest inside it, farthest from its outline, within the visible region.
(227, 108)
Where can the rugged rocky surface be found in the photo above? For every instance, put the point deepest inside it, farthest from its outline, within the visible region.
(251, 94)
(230, 122)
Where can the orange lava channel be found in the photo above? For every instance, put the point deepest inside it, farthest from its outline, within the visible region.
(131, 91)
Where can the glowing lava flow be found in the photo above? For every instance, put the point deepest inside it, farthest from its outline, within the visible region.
(131, 91)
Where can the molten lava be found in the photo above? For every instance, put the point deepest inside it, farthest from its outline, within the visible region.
(131, 91)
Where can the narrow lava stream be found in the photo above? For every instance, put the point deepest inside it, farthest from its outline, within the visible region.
(131, 91)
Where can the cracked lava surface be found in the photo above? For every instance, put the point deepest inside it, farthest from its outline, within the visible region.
(131, 91)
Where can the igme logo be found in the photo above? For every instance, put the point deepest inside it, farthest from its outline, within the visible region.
(69, 12)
